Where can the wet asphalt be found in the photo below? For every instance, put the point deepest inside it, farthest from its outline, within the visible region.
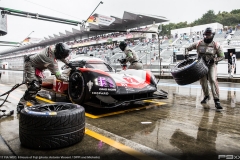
(175, 128)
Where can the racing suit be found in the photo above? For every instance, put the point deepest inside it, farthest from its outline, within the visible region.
(33, 67)
(211, 53)
(132, 57)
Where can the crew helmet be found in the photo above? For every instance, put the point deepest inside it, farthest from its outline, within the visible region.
(61, 51)
(208, 35)
(122, 45)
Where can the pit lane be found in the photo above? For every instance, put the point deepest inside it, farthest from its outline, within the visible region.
(178, 127)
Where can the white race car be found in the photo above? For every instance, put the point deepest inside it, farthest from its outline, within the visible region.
(97, 84)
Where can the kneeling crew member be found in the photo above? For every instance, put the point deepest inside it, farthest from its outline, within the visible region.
(35, 64)
(131, 57)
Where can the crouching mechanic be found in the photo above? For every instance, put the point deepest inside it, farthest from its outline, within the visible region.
(212, 53)
(35, 64)
(131, 57)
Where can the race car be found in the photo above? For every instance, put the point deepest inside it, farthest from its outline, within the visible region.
(96, 83)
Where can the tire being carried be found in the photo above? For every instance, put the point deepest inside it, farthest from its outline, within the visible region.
(189, 71)
(51, 126)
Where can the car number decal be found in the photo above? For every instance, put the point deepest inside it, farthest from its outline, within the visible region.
(59, 86)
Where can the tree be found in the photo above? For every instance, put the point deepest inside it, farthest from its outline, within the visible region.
(164, 30)
(225, 18)
(231, 19)
(181, 25)
(208, 17)
(235, 11)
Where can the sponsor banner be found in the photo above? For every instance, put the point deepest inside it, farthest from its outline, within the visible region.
(109, 40)
(119, 39)
(102, 41)
(105, 20)
(98, 19)
(84, 44)
(129, 36)
(32, 40)
(101, 93)
(138, 35)
(78, 45)
(107, 89)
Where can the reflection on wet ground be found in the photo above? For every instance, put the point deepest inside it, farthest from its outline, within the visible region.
(178, 126)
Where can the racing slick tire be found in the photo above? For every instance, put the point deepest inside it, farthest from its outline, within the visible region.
(51, 126)
(76, 87)
(189, 71)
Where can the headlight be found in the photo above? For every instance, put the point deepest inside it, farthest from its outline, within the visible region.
(104, 82)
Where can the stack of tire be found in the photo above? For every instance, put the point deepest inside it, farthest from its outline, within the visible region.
(51, 126)
(189, 71)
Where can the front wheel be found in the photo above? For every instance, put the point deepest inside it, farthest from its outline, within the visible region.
(76, 87)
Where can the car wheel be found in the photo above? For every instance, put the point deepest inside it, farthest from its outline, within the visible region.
(50, 126)
(189, 71)
(76, 87)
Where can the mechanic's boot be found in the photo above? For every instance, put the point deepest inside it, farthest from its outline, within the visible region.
(205, 100)
(34, 101)
(217, 104)
(20, 106)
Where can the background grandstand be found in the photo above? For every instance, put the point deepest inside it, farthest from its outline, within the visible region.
(104, 45)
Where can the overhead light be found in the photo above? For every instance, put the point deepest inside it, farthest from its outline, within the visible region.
(140, 17)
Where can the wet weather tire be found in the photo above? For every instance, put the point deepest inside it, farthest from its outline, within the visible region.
(51, 126)
(76, 87)
(189, 71)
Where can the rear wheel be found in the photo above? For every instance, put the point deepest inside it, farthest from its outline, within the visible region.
(76, 87)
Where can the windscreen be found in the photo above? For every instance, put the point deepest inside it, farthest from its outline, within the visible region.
(101, 66)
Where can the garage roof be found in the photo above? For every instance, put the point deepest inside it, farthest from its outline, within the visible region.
(129, 20)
